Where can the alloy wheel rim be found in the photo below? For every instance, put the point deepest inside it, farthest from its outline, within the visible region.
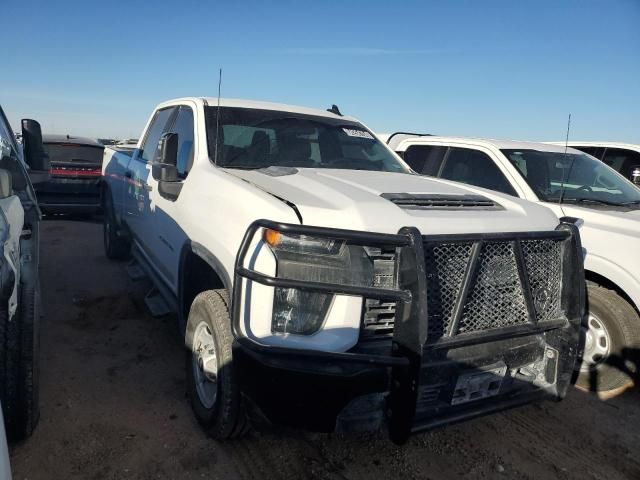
(597, 344)
(204, 363)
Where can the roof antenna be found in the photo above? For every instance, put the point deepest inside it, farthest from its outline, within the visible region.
(566, 147)
(334, 109)
(215, 154)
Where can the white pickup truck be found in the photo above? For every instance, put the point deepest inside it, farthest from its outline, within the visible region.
(572, 184)
(320, 283)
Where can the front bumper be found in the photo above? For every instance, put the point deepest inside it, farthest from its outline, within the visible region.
(408, 384)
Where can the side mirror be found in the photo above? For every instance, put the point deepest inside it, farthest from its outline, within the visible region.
(34, 155)
(164, 167)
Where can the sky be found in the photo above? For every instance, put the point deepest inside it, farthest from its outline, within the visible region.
(490, 68)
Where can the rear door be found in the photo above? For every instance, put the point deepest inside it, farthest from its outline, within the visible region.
(138, 205)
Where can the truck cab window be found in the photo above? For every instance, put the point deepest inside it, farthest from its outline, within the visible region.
(622, 160)
(183, 126)
(474, 168)
(159, 125)
(593, 151)
(425, 159)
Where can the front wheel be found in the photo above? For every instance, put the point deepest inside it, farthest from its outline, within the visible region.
(19, 379)
(211, 379)
(613, 335)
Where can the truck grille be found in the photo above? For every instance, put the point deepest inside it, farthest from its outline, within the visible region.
(496, 295)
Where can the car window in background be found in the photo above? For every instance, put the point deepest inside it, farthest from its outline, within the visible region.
(159, 126)
(425, 159)
(73, 153)
(474, 168)
(583, 178)
(183, 126)
(622, 160)
(7, 140)
(593, 151)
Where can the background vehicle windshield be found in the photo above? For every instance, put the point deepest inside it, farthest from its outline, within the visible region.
(251, 139)
(585, 178)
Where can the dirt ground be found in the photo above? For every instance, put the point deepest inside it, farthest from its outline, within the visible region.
(113, 405)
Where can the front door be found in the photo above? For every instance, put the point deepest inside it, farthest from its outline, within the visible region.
(167, 236)
(138, 202)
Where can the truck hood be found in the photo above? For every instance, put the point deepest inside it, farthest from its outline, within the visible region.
(352, 199)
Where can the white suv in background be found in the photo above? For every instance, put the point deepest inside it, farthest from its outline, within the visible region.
(571, 184)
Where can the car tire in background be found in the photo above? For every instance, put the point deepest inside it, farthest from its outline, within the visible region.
(211, 380)
(116, 247)
(19, 373)
(612, 344)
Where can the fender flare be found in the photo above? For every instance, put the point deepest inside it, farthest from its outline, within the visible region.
(616, 275)
(210, 259)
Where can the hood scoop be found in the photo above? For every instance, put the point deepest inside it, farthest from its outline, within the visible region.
(426, 201)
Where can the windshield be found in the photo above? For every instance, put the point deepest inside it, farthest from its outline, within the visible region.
(585, 179)
(251, 138)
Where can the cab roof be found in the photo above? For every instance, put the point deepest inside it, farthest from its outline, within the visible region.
(258, 105)
(404, 142)
(631, 146)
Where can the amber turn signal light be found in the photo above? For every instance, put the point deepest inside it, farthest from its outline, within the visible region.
(272, 237)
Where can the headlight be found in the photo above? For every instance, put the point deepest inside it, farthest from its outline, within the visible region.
(315, 259)
(295, 311)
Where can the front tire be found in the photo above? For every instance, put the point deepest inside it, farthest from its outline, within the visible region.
(612, 336)
(20, 377)
(211, 379)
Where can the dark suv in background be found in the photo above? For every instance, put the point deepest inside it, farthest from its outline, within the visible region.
(75, 175)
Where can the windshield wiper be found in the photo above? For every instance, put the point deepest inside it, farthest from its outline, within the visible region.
(594, 201)
(245, 167)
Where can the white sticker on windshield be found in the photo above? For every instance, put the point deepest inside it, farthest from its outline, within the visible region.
(352, 132)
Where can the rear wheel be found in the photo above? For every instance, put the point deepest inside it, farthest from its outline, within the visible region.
(211, 380)
(116, 247)
(613, 335)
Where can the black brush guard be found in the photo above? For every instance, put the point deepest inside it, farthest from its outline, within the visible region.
(410, 351)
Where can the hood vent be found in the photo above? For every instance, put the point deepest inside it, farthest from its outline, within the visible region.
(427, 201)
